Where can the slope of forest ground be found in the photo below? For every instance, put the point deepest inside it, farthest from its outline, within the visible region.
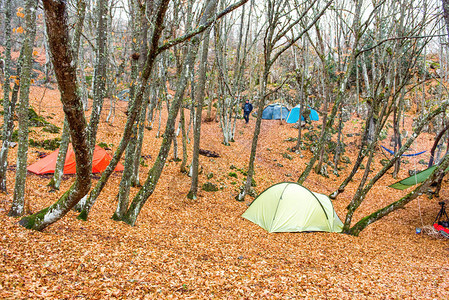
(181, 248)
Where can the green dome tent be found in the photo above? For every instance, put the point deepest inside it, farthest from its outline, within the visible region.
(290, 207)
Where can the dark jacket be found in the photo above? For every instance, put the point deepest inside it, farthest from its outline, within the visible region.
(248, 107)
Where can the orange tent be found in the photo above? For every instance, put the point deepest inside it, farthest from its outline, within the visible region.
(47, 164)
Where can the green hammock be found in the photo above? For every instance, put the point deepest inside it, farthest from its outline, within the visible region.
(414, 179)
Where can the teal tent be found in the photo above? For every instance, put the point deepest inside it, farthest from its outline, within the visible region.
(414, 179)
(290, 207)
(293, 116)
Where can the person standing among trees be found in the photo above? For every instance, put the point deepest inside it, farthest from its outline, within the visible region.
(247, 108)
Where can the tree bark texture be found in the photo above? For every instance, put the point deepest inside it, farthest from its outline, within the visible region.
(100, 73)
(8, 126)
(18, 204)
(62, 57)
(8, 106)
(133, 111)
(200, 91)
(155, 172)
(55, 181)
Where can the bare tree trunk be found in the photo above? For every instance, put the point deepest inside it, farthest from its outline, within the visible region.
(135, 181)
(132, 112)
(55, 181)
(435, 144)
(99, 91)
(184, 142)
(210, 9)
(138, 22)
(18, 204)
(153, 51)
(339, 148)
(339, 98)
(8, 106)
(154, 174)
(445, 5)
(396, 137)
(62, 57)
(148, 187)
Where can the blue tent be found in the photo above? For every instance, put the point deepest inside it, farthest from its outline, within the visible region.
(294, 115)
(273, 112)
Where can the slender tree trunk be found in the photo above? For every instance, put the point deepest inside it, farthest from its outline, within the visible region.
(99, 89)
(62, 57)
(200, 90)
(302, 93)
(252, 157)
(55, 181)
(184, 142)
(8, 127)
(155, 172)
(18, 204)
(132, 112)
(8, 106)
(48, 70)
(339, 97)
(135, 181)
(397, 138)
(125, 182)
(435, 144)
(146, 10)
(339, 148)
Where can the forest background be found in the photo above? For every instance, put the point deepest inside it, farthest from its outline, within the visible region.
(376, 71)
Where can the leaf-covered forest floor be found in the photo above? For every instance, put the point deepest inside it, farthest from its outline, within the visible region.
(181, 248)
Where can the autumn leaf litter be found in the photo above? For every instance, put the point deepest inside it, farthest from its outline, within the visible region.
(202, 248)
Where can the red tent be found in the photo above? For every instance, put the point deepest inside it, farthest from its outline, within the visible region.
(47, 164)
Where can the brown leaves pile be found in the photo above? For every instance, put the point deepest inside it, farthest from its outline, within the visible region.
(203, 249)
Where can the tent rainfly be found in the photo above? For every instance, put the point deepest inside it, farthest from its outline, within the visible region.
(290, 207)
(293, 116)
(47, 164)
(275, 111)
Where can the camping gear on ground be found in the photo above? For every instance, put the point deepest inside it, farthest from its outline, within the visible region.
(274, 112)
(414, 179)
(293, 116)
(290, 207)
(440, 225)
(47, 164)
(392, 152)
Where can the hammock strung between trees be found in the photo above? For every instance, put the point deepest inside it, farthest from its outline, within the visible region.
(414, 179)
(392, 152)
